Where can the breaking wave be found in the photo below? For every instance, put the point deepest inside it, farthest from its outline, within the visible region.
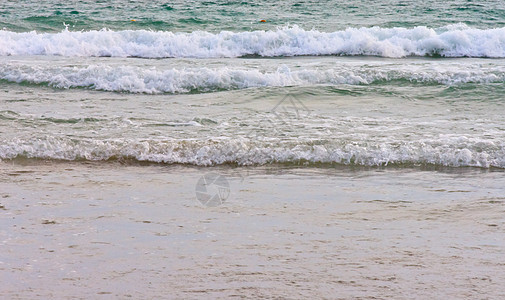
(203, 79)
(453, 151)
(457, 40)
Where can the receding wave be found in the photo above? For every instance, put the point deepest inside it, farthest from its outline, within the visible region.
(451, 41)
(203, 79)
(452, 152)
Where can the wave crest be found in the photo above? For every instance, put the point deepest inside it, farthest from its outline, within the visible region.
(450, 41)
(203, 79)
(454, 152)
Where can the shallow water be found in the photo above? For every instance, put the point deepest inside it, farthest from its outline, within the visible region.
(257, 113)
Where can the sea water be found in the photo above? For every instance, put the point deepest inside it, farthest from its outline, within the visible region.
(382, 83)
(339, 88)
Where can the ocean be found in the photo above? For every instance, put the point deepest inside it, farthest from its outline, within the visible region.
(372, 133)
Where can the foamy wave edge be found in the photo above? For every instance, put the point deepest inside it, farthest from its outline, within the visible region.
(462, 152)
(182, 80)
(457, 40)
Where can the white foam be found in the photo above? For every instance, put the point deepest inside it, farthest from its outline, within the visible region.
(454, 152)
(182, 80)
(451, 41)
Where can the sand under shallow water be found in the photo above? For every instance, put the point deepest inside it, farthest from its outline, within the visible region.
(85, 230)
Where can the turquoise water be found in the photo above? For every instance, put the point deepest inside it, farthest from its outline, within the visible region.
(373, 83)
(214, 16)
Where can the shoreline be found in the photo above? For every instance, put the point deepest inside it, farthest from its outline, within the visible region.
(317, 168)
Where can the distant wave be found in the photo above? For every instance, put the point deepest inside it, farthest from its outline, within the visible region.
(202, 79)
(453, 152)
(451, 41)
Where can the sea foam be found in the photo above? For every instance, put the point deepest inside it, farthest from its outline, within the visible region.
(153, 80)
(453, 152)
(450, 41)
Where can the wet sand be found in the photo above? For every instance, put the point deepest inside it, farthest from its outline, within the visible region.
(107, 230)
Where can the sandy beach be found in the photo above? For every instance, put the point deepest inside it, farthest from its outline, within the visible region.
(88, 230)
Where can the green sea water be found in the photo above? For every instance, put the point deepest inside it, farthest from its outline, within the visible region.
(367, 83)
(213, 16)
